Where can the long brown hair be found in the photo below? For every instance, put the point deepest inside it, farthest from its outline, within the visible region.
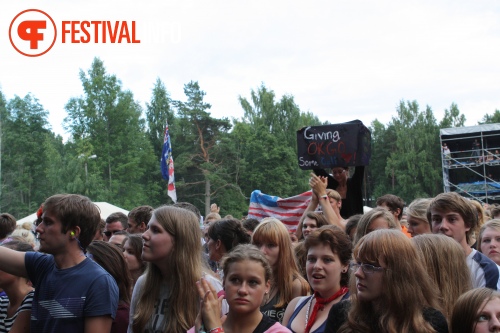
(272, 230)
(467, 307)
(185, 260)
(401, 305)
(446, 265)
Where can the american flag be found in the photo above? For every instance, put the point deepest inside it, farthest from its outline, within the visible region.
(287, 210)
(167, 165)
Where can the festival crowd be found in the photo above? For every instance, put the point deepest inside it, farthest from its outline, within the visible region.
(429, 266)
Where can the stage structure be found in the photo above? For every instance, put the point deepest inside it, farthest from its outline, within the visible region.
(471, 161)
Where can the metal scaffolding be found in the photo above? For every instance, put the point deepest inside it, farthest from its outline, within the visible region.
(471, 161)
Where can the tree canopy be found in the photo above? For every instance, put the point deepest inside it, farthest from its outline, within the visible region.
(115, 146)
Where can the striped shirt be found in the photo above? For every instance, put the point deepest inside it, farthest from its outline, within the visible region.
(6, 323)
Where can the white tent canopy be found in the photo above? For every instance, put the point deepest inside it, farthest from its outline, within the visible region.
(106, 210)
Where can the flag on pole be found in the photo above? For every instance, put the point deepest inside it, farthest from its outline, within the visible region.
(167, 165)
(287, 210)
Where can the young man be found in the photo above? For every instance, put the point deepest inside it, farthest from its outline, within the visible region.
(115, 222)
(452, 215)
(138, 219)
(72, 293)
(395, 206)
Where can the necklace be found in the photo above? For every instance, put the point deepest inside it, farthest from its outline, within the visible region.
(320, 305)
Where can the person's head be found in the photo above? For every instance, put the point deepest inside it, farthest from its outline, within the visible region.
(250, 225)
(173, 233)
(375, 219)
(340, 174)
(452, 215)
(212, 217)
(132, 252)
(115, 222)
(272, 239)
(495, 212)
(188, 206)
(224, 235)
(417, 217)
(392, 203)
(138, 219)
(446, 265)
(247, 275)
(7, 225)
(476, 311)
(335, 200)
(329, 252)
(173, 250)
(111, 259)
(312, 221)
(118, 238)
(385, 265)
(67, 218)
(488, 241)
(352, 225)
(271, 236)
(26, 234)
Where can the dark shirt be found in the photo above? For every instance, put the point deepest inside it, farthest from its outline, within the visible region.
(353, 202)
(338, 315)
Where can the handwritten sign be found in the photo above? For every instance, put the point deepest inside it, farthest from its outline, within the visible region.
(336, 145)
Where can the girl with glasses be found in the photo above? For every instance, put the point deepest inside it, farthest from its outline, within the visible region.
(327, 267)
(390, 290)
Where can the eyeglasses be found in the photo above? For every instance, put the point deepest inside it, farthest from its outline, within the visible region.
(109, 233)
(338, 172)
(366, 268)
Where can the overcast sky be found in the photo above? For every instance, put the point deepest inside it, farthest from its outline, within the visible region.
(341, 60)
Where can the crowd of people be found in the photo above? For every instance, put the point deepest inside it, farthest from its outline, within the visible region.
(430, 266)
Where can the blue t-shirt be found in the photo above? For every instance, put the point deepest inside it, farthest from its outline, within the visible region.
(64, 297)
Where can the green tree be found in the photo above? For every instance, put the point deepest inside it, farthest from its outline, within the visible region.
(106, 122)
(199, 164)
(28, 152)
(491, 119)
(415, 162)
(452, 117)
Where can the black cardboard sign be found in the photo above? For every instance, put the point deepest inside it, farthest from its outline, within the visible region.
(335, 145)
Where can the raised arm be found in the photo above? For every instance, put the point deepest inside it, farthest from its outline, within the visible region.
(318, 185)
(12, 262)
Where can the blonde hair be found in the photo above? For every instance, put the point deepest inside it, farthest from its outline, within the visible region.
(401, 306)
(418, 209)
(24, 231)
(185, 260)
(492, 224)
(446, 265)
(285, 271)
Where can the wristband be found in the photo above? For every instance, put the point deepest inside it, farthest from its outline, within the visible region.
(324, 196)
(216, 330)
